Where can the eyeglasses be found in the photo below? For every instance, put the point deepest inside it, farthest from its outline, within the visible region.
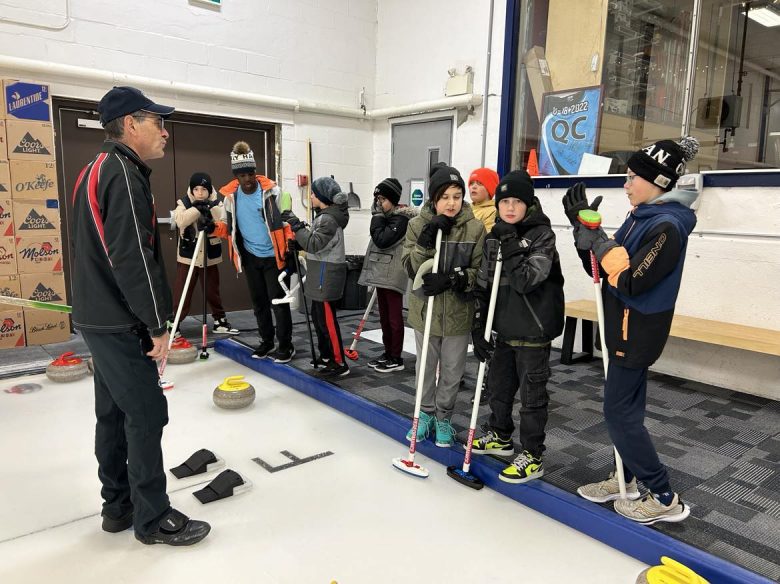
(630, 178)
(159, 121)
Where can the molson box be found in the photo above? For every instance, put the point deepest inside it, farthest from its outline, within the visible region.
(11, 329)
(31, 217)
(39, 253)
(29, 140)
(33, 180)
(7, 256)
(10, 286)
(25, 101)
(6, 217)
(5, 178)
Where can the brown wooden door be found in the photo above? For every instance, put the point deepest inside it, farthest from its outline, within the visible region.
(196, 144)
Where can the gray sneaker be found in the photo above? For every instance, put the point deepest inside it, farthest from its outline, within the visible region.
(649, 510)
(608, 490)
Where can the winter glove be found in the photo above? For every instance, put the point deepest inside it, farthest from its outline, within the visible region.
(594, 240)
(504, 230)
(443, 223)
(378, 221)
(435, 284)
(427, 237)
(206, 223)
(575, 201)
(483, 350)
(205, 206)
(293, 221)
(511, 244)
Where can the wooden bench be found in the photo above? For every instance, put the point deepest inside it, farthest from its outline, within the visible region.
(714, 332)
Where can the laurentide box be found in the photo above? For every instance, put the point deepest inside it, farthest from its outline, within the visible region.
(29, 140)
(31, 217)
(38, 253)
(11, 329)
(33, 179)
(8, 256)
(6, 217)
(44, 326)
(22, 100)
(10, 286)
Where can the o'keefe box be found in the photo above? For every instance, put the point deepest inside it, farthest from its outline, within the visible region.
(33, 180)
(25, 101)
(11, 329)
(44, 326)
(31, 217)
(6, 217)
(7, 256)
(42, 287)
(10, 286)
(29, 140)
(3, 147)
(39, 253)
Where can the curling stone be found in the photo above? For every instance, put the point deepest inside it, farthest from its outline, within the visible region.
(67, 368)
(669, 572)
(182, 351)
(234, 393)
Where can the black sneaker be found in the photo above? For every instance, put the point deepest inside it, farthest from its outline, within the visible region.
(392, 364)
(263, 350)
(333, 369)
(381, 360)
(284, 355)
(222, 326)
(176, 529)
(116, 525)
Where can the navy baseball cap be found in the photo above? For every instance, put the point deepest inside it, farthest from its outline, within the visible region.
(124, 100)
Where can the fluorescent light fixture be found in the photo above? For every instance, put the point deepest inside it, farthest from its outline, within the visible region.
(766, 16)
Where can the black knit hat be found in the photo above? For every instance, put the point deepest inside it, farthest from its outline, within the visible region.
(390, 189)
(201, 179)
(663, 163)
(442, 176)
(517, 184)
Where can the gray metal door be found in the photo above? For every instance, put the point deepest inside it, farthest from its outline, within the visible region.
(417, 146)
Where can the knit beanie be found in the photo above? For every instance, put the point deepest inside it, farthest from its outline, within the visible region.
(325, 189)
(390, 189)
(242, 159)
(663, 163)
(200, 179)
(442, 176)
(517, 184)
(487, 177)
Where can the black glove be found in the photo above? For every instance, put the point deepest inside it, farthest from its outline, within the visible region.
(593, 240)
(459, 280)
(504, 230)
(427, 237)
(378, 221)
(511, 244)
(483, 350)
(443, 223)
(206, 223)
(205, 206)
(434, 284)
(575, 201)
(293, 221)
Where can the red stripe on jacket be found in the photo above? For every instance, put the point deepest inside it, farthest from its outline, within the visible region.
(92, 186)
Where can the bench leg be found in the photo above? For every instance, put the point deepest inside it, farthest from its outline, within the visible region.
(567, 346)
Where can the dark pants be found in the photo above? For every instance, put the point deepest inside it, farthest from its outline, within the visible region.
(261, 275)
(328, 331)
(526, 369)
(131, 412)
(212, 289)
(625, 396)
(391, 319)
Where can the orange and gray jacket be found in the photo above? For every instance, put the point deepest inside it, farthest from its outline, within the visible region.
(117, 274)
(186, 218)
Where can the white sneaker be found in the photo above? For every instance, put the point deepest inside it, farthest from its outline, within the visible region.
(608, 490)
(650, 510)
(221, 325)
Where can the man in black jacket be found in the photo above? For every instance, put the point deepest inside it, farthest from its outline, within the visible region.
(121, 303)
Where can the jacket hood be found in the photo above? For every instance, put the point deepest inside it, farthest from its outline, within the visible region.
(669, 206)
(339, 209)
(685, 198)
(406, 211)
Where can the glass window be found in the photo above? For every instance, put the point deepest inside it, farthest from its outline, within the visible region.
(598, 79)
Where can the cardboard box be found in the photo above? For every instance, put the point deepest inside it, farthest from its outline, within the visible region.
(539, 78)
(29, 140)
(42, 327)
(33, 179)
(38, 253)
(6, 218)
(44, 287)
(10, 286)
(3, 145)
(5, 179)
(31, 217)
(25, 101)
(12, 332)
(8, 256)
